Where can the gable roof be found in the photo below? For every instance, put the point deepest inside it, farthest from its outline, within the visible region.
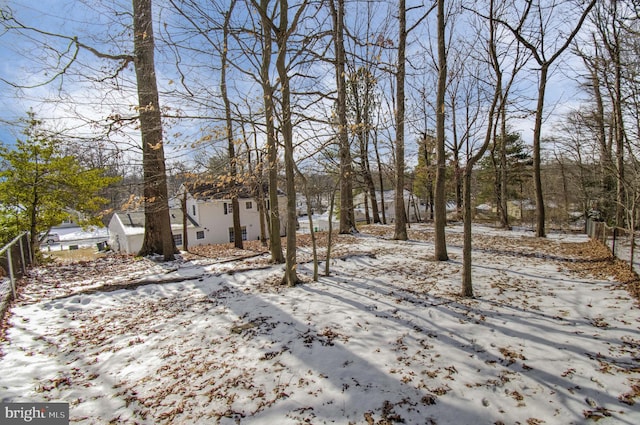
(215, 190)
(136, 219)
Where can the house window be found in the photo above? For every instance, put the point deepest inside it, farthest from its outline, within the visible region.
(200, 234)
(193, 209)
(249, 205)
(228, 208)
(232, 234)
(178, 239)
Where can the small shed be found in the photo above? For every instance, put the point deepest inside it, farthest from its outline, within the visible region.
(126, 230)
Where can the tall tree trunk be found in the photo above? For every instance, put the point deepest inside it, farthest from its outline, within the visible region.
(332, 202)
(504, 218)
(233, 164)
(185, 220)
(158, 238)
(275, 243)
(614, 48)
(367, 217)
(347, 215)
(537, 179)
(312, 233)
(282, 37)
(380, 178)
(467, 285)
(467, 282)
(261, 202)
(457, 170)
(375, 211)
(400, 216)
(608, 24)
(257, 180)
(607, 181)
(440, 195)
(367, 177)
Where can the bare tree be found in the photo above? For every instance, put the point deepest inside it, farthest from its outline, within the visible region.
(473, 158)
(400, 232)
(608, 21)
(440, 217)
(275, 243)
(283, 30)
(347, 217)
(544, 59)
(233, 166)
(597, 120)
(158, 238)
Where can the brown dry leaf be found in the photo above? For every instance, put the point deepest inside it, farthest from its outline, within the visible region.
(596, 414)
(516, 395)
(629, 397)
(369, 418)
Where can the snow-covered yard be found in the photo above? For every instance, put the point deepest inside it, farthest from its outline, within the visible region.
(551, 338)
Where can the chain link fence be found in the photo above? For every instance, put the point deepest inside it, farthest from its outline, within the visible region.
(622, 242)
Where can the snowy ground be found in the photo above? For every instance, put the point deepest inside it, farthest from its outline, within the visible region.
(549, 339)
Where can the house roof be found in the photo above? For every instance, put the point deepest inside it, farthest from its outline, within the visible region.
(216, 190)
(134, 221)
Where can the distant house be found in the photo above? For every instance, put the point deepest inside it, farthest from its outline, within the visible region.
(209, 219)
(415, 209)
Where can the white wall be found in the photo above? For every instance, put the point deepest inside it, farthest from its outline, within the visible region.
(120, 241)
(210, 217)
(216, 224)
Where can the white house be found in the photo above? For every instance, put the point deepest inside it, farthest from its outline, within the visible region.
(209, 219)
(210, 206)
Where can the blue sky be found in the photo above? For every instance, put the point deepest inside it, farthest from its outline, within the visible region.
(26, 62)
(21, 60)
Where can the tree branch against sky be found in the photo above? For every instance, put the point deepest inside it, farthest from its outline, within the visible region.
(84, 78)
(545, 56)
(158, 238)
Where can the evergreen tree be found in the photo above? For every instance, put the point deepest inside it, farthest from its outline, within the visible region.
(518, 168)
(39, 185)
(425, 171)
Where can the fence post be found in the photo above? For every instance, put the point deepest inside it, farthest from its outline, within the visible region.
(613, 242)
(27, 238)
(23, 264)
(12, 278)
